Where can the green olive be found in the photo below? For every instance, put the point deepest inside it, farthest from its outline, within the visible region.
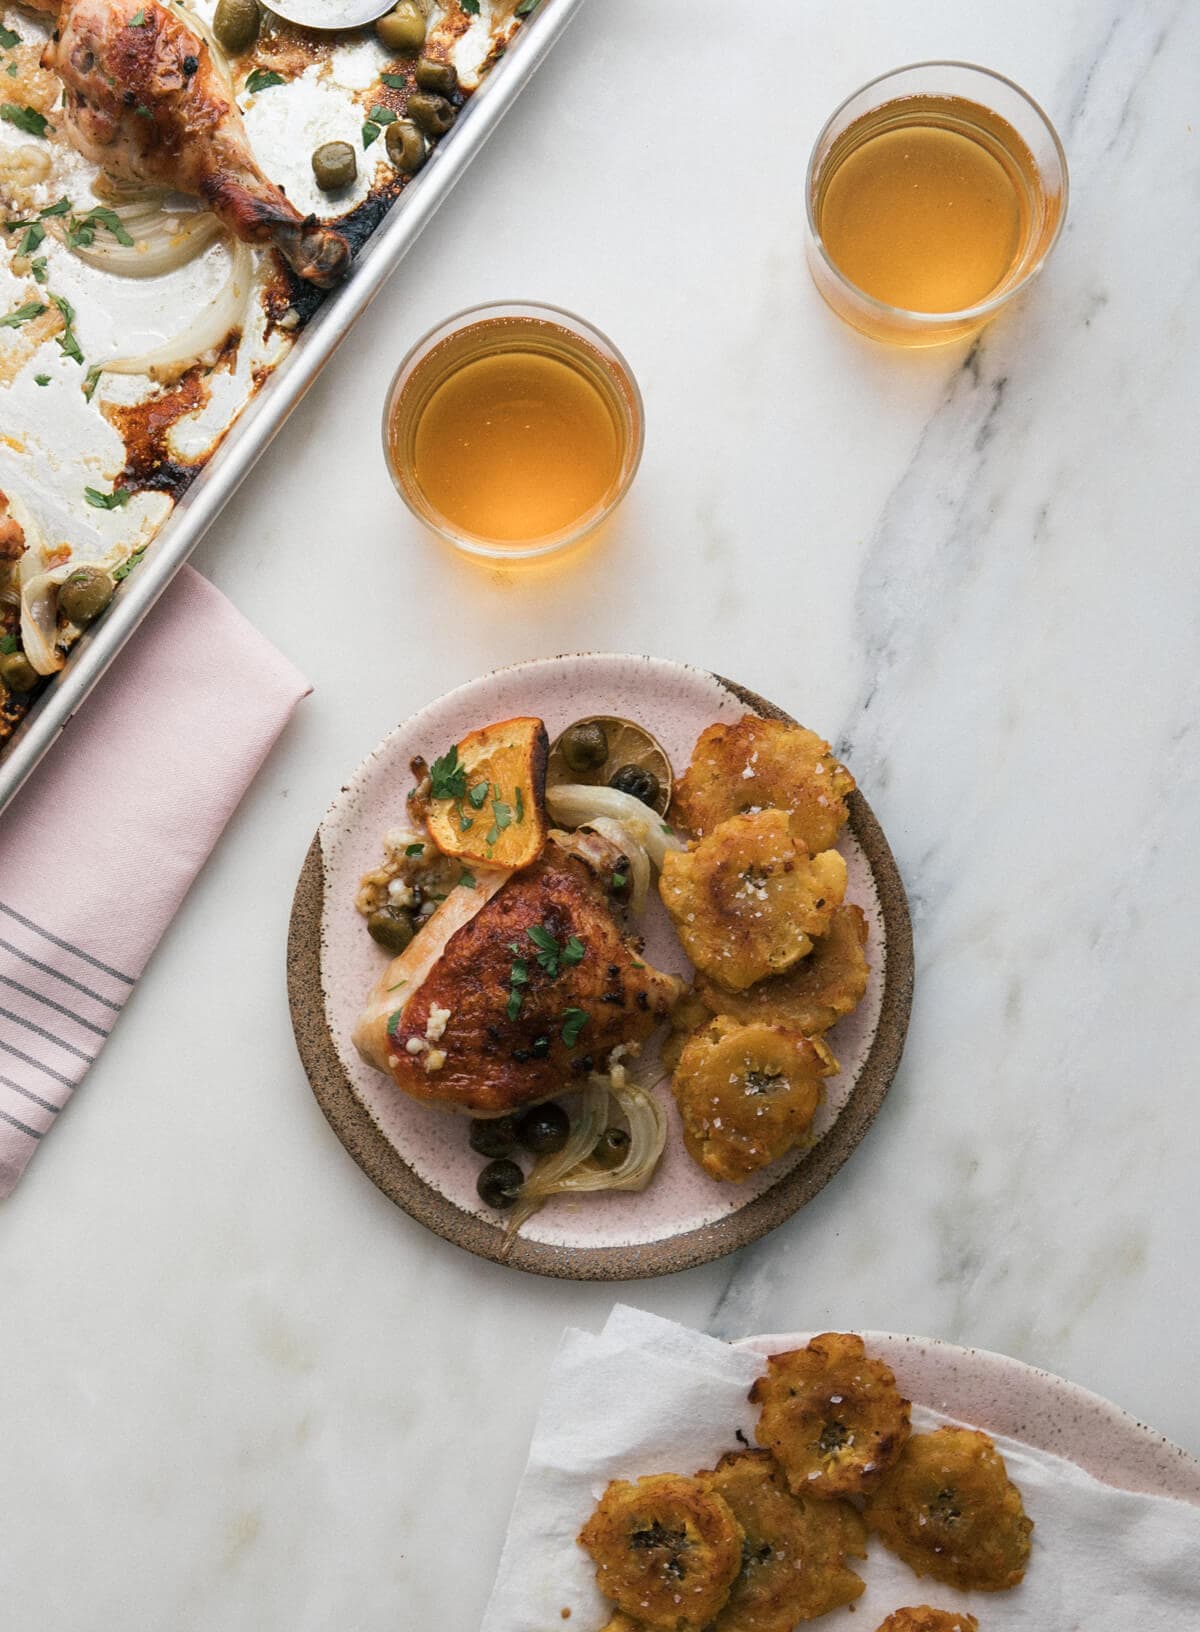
(585, 746)
(334, 166)
(17, 672)
(391, 927)
(544, 1129)
(499, 1183)
(236, 24)
(636, 781)
(436, 76)
(404, 28)
(493, 1136)
(84, 595)
(405, 146)
(433, 113)
(611, 1149)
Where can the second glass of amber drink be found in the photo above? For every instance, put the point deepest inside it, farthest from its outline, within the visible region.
(513, 430)
(934, 195)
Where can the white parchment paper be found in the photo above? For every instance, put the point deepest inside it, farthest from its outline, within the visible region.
(648, 1396)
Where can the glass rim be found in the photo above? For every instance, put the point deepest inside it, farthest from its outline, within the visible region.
(961, 314)
(560, 317)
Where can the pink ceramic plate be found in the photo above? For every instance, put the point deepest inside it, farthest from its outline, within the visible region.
(419, 1156)
(1005, 1396)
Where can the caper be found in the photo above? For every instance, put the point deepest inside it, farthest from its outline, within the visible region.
(17, 672)
(402, 29)
(493, 1135)
(334, 166)
(236, 24)
(544, 1129)
(499, 1183)
(405, 146)
(641, 784)
(432, 75)
(84, 595)
(611, 1149)
(585, 746)
(433, 113)
(391, 928)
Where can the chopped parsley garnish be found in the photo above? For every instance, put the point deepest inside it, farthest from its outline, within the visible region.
(41, 379)
(518, 976)
(23, 314)
(29, 120)
(31, 238)
(619, 880)
(263, 78)
(471, 7)
(38, 268)
(81, 232)
(525, 7)
(520, 803)
(61, 206)
(397, 986)
(8, 37)
(394, 1020)
(138, 20)
(92, 380)
(397, 82)
(11, 70)
(448, 779)
(370, 133)
(550, 955)
(501, 816)
(574, 1021)
(382, 116)
(414, 849)
(106, 501)
(9, 643)
(67, 343)
(478, 795)
(122, 572)
(467, 880)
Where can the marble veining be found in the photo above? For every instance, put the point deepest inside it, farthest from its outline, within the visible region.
(244, 1390)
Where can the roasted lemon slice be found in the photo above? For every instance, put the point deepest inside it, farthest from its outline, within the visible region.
(603, 751)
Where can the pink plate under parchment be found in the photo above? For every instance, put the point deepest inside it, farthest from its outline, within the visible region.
(420, 1157)
(1008, 1397)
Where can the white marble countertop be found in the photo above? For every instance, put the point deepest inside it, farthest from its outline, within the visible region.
(244, 1390)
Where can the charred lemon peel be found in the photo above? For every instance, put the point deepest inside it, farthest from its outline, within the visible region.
(666, 1551)
(831, 1416)
(948, 1509)
(922, 1618)
(747, 1095)
(756, 764)
(748, 899)
(795, 1549)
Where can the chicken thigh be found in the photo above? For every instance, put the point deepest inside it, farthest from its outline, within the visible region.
(471, 1017)
(147, 101)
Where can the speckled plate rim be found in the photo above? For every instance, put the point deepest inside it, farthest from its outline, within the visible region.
(383, 1164)
(1038, 1408)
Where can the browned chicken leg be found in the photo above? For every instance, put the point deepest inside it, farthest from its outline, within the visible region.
(147, 102)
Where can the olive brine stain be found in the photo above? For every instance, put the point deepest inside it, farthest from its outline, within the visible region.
(928, 203)
(515, 436)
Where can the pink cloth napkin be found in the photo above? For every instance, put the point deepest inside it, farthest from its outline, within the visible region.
(154, 763)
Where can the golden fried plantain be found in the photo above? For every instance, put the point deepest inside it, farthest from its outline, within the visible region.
(747, 1095)
(758, 764)
(924, 1619)
(948, 1508)
(794, 1553)
(666, 1550)
(831, 1416)
(815, 993)
(747, 900)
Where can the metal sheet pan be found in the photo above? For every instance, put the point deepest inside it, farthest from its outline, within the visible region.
(258, 423)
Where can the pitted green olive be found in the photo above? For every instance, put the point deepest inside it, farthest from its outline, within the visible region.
(84, 595)
(402, 29)
(405, 146)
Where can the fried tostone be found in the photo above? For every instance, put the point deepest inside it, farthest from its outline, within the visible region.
(924, 1619)
(757, 764)
(747, 1095)
(831, 1416)
(795, 1550)
(666, 1551)
(815, 993)
(747, 900)
(948, 1508)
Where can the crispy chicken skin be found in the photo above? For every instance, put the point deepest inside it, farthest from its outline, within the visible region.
(445, 1037)
(148, 103)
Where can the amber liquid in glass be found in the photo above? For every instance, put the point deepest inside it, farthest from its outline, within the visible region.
(930, 203)
(512, 431)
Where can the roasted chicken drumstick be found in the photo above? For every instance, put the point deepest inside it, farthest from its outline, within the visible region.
(146, 101)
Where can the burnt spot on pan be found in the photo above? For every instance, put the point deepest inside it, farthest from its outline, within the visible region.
(144, 428)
